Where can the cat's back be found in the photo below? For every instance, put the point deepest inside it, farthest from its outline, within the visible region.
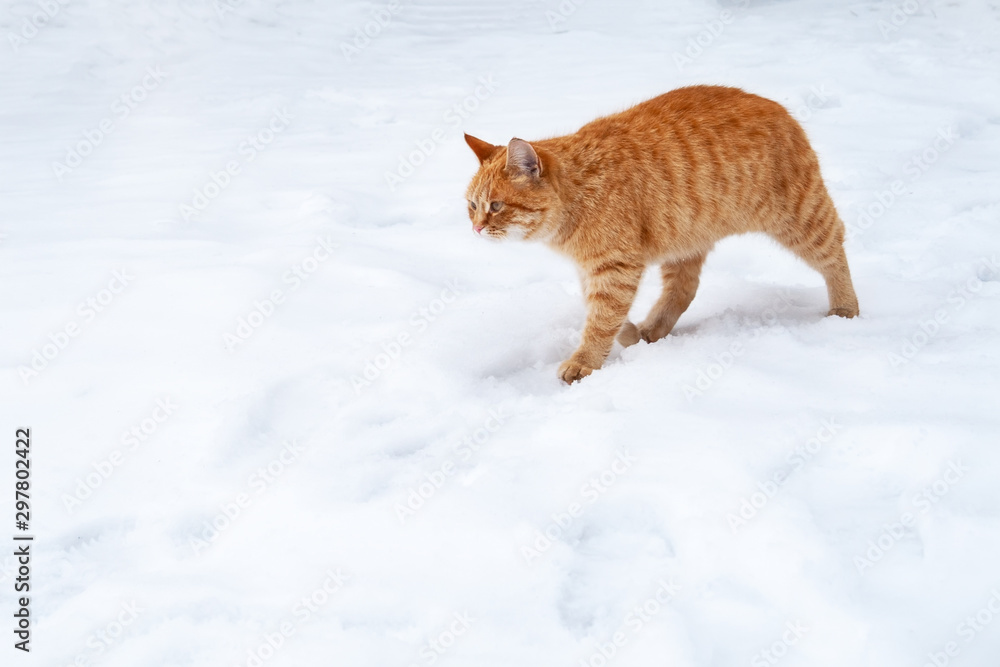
(696, 163)
(697, 110)
(708, 102)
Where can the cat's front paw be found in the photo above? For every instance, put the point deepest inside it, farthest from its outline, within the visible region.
(571, 370)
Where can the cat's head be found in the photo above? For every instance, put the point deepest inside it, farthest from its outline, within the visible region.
(513, 194)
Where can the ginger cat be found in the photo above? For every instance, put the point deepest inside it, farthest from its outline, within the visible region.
(660, 183)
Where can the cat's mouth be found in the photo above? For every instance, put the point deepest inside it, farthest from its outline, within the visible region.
(510, 233)
(505, 233)
(490, 232)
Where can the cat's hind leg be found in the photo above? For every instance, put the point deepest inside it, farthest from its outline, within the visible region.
(819, 240)
(839, 288)
(629, 334)
(680, 283)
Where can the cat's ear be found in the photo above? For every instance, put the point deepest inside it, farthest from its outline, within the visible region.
(482, 149)
(522, 159)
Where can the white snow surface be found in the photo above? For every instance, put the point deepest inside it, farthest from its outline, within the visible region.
(766, 485)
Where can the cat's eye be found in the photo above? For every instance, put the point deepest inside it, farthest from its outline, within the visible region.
(472, 205)
(496, 206)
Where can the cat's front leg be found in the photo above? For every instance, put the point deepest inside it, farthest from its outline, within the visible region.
(610, 289)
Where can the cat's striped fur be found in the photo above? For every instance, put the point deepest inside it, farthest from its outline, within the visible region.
(661, 183)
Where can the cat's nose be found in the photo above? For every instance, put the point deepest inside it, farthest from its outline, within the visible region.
(478, 228)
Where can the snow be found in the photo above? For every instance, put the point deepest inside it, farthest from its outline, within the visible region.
(764, 486)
